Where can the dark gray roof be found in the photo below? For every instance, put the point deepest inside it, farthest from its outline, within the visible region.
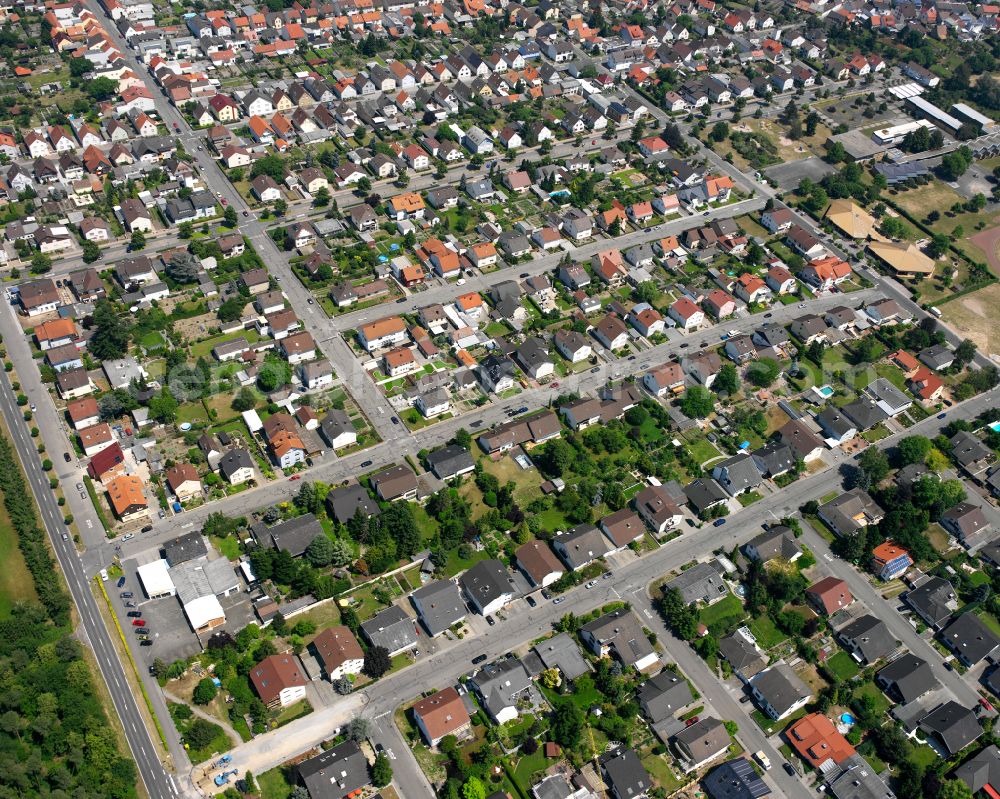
(335, 423)
(391, 628)
(738, 473)
(981, 770)
(934, 600)
(869, 636)
(865, 413)
(704, 739)
(294, 535)
(703, 493)
(969, 638)
(343, 502)
(184, 548)
(780, 686)
(663, 695)
(486, 581)
(624, 774)
(735, 780)
(449, 461)
(581, 545)
(500, 683)
(233, 461)
(909, 676)
(742, 655)
(955, 726)
(336, 772)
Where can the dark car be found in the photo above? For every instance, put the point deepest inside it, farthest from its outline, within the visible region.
(148, 528)
(401, 299)
(134, 614)
(718, 523)
(67, 457)
(768, 315)
(145, 642)
(121, 581)
(941, 415)
(595, 370)
(365, 464)
(490, 621)
(477, 423)
(789, 769)
(685, 345)
(703, 344)
(479, 659)
(531, 601)
(631, 357)
(524, 274)
(395, 420)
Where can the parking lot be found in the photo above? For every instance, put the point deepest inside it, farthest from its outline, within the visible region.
(171, 634)
(788, 176)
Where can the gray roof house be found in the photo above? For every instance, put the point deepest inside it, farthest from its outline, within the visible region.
(702, 742)
(856, 779)
(890, 399)
(735, 779)
(780, 691)
(581, 545)
(981, 770)
(335, 773)
(703, 494)
(343, 502)
(450, 461)
(937, 357)
(292, 535)
(664, 696)
(971, 640)
(392, 629)
(775, 542)
(500, 685)
(737, 474)
(743, 655)
(933, 600)
(867, 639)
(865, 413)
(440, 606)
(774, 459)
(620, 635)
(850, 512)
(968, 523)
(488, 586)
(906, 678)
(954, 726)
(970, 453)
(561, 652)
(624, 775)
(701, 583)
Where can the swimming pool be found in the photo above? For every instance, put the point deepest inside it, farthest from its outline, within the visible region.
(825, 391)
(847, 718)
(995, 427)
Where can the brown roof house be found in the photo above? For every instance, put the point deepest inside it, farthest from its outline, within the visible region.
(184, 481)
(338, 652)
(396, 482)
(279, 680)
(539, 563)
(440, 715)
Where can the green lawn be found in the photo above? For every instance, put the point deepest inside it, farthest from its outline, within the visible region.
(767, 635)
(203, 349)
(274, 785)
(585, 693)
(702, 450)
(726, 612)
(924, 755)
(527, 765)
(870, 689)
(229, 547)
(292, 712)
(192, 413)
(843, 665)
(16, 584)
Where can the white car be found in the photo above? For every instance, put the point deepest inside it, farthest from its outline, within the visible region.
(764, 760)
(591, 584)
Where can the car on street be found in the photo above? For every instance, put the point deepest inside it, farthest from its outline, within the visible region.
(246, 213)
(789, 769)
(138, 622)
(65, 537)
(83, 495)
(34, 407)
(394, 420)
(477, 423)
(531, 601)
(524, 275)
(79, 486)
(67, 457)
(591, 584)
(595, 370)
(126, 595)
(310, 301)
(163, 514)
(762, 759)
(294, 477)
(400, 300)
(128, 536)
(802, 305)
(718, 523)
(941, 415)
(631, 357)
(606, 576)
(130, 604)
(121, 582)
(768, 315)
(490, 621)
(479, 659)
(146, 529)
(365, 464)
(557, 600)
(685, 345)
(145, 642)
(134, 614)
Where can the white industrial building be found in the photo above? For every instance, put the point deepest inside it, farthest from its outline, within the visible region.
(155, 578)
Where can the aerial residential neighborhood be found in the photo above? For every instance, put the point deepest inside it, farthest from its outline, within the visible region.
(487, 400)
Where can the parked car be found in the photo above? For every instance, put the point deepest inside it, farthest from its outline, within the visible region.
(764, 760)
(591, 584)
(691, 721)
(147, 641)
(718, 523)
(121, 582)
(789, 769)
(490, 621)
(138, 622)
(67, 457)
(126, 595)
(557, 600)
(134, 614)
(531, 601)
(479, 659)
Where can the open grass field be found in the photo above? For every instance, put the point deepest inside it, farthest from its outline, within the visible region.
(16, 584)
(973, 315)
(843, 665)
(727, 611)
(937, 196)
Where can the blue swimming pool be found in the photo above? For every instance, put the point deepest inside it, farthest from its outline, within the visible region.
(995, 427)
(847, 718)
(826, 391)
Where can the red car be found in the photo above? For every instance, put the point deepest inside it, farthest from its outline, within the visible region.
(138, 622)
(986, 705)
(295, 477)
(690, 721)
(554, 385)
(225, 202)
